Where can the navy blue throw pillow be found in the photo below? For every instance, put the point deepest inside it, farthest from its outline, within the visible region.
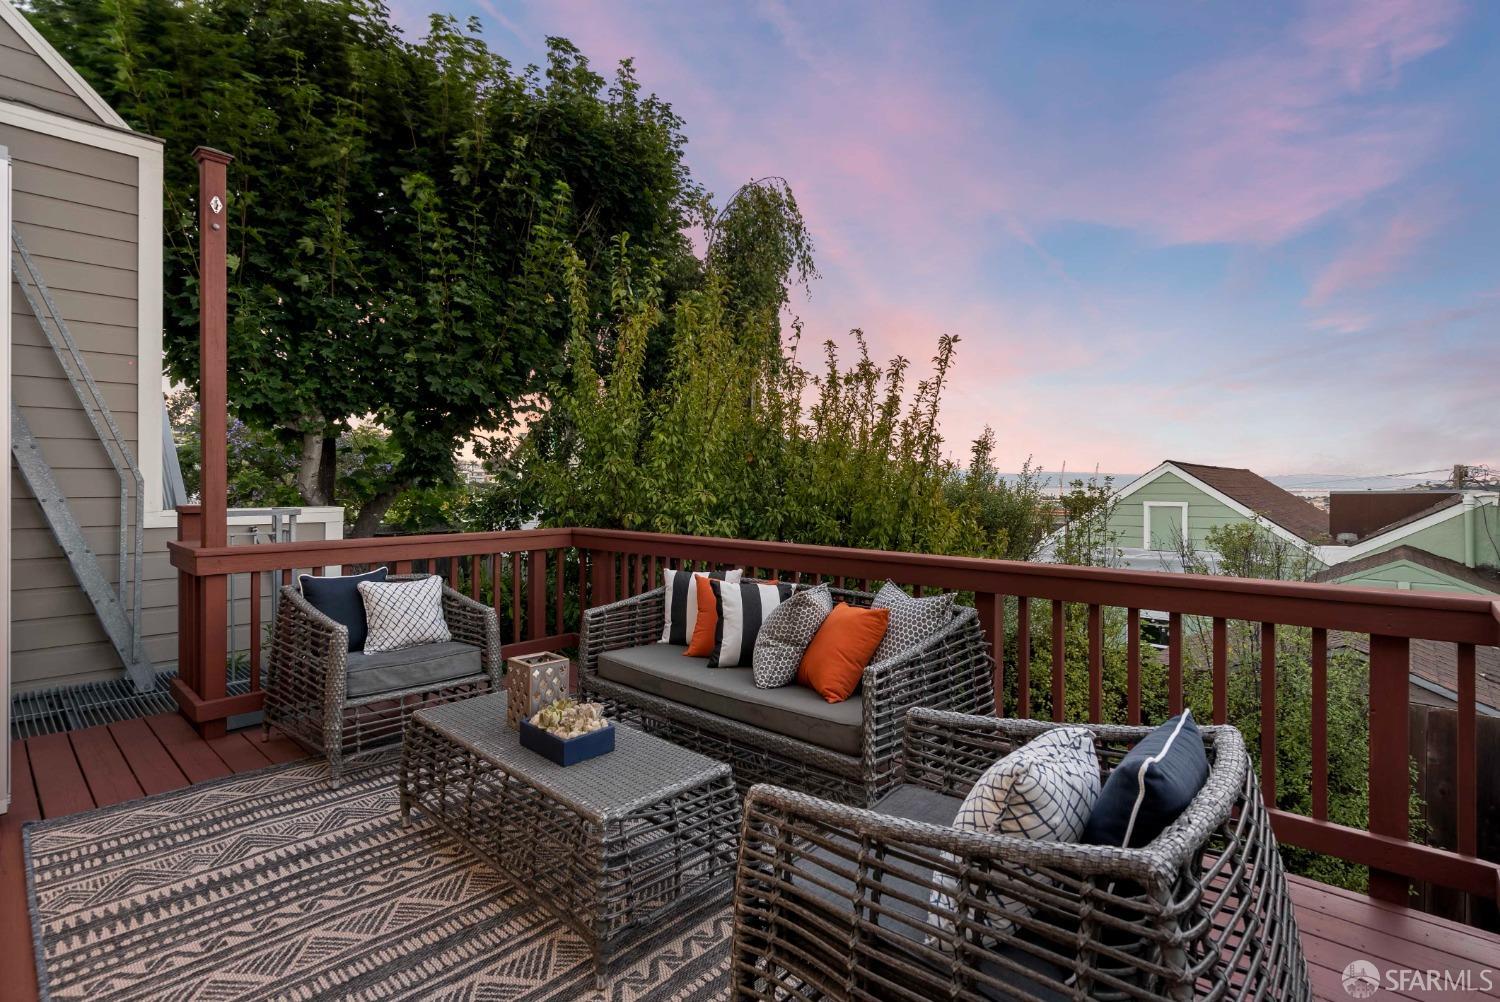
(1151, 786)
(339, 599)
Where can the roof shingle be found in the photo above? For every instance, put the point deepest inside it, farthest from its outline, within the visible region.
(1276, 505)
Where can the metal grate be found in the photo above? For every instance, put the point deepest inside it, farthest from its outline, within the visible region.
(71, 708)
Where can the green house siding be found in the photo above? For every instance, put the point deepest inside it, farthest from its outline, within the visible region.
(1447, 538)
(1407, 575)
(1127, 524)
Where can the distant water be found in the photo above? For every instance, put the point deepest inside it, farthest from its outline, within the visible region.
(1296, 482)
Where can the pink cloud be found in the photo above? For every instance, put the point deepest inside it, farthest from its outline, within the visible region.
(1378, 251)
(1258, 146)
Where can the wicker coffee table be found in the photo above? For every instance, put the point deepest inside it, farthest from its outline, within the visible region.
(608, 845)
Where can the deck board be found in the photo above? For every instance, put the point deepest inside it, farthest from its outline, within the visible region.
(194, 756)
(149, 761)
(60, 786)
(105, 765)
(238, 752)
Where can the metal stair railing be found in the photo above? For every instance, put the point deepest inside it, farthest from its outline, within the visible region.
(121, 619)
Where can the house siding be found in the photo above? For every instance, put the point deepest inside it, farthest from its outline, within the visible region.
(1412, 576)
(1127, 524)
(75, 208)
(27, 79)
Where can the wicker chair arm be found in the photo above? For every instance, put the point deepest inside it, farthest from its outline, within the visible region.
(474, 623)
(309, 650)
(950, 670)
(630, 622)
(769, 808)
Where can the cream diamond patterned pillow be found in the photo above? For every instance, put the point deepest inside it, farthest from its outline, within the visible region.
(912, 620)
(404, 614)
(785, 635)
(1044, 790)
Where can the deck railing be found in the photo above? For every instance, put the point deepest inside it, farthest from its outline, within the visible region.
(539, 580)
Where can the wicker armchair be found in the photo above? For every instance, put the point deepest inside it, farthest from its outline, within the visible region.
(307, 678)
(832, 902)
(951, 670)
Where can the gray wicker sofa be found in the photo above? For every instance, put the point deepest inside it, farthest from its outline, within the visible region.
(847, 751)
(833, 902)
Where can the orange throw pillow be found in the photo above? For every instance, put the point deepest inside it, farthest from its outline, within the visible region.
(841, 651)
(701, 643)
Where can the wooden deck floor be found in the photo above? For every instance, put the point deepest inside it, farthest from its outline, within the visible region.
(64, 773)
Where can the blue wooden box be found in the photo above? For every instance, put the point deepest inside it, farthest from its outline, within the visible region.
(570, 751)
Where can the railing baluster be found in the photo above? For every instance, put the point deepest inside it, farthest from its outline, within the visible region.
(1467, 778)
(515, 595)
(1133, 666)
(1390, 778)
(536, 593)
(1096, 664)
(1023, 657)
(1059, 660)
(559, 605)
(1174, 661)
(1268, 713)
(255, 630)
(1319, 710)
(402, 567)
(991, 611)
(475, 563)
(1221, 670)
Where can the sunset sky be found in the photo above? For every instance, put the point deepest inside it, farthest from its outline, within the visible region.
(1247, 234)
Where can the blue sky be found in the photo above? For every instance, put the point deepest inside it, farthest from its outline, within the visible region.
(1250, 234)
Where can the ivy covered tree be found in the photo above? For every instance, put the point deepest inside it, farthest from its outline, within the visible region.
(398, 210)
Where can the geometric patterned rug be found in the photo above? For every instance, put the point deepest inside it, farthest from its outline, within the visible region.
(272, 885)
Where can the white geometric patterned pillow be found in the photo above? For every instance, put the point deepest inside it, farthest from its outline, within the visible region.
(912, 620)
(1044, 790)
(404, 614)
(785, 635)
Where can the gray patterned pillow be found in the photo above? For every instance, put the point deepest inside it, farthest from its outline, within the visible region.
(912, 620)
(785, 634)
(1043, 791)
(404, 614)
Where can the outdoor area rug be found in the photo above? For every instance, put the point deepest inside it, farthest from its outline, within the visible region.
(272, 885)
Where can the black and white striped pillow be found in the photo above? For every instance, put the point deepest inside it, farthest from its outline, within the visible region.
(682, 602)
(742, 606)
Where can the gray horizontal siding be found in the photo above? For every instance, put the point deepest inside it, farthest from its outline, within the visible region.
(75, 208)
(25, 77)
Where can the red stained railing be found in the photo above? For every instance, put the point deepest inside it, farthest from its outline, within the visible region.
(539, 579)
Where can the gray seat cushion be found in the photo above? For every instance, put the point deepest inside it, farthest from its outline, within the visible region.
(428, 664)
(909, 921)
(795, 711)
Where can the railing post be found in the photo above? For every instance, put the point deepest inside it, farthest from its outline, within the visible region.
(1390, 771)
(991, 610)
(189, 533)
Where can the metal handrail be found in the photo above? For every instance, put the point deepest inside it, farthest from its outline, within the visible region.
(91, 398)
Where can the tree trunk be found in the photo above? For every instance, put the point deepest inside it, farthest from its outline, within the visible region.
(309, 469)
(373, 512)
(328, 469)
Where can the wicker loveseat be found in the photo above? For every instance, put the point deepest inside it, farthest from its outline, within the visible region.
(342, 704)
(847, 751)
(832, 902)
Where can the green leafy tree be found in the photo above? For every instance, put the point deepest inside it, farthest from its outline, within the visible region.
(398, 210)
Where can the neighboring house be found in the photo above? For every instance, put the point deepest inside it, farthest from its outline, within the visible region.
(84, 193)
(1434, 672)
(1179, 502)
(1408, 568)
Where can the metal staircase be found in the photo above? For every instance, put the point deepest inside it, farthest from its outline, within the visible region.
(120, 617)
